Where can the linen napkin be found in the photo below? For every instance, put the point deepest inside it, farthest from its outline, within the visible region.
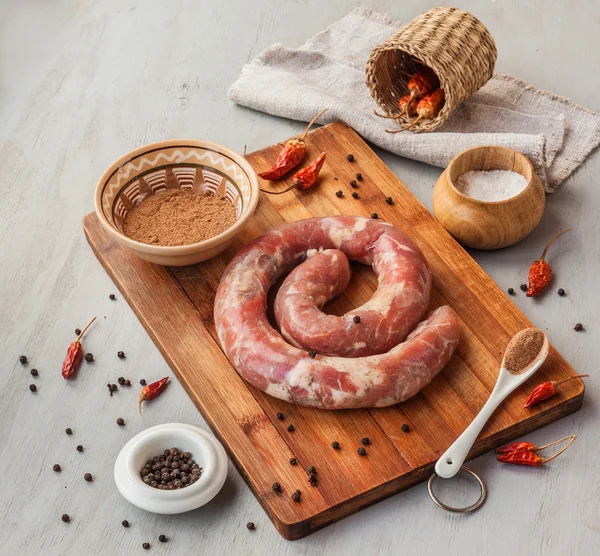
(329, 71)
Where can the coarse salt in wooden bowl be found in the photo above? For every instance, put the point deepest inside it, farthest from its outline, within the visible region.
(185, 164)
(451, 42)
(488, 224)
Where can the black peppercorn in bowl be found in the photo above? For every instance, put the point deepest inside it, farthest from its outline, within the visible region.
(151, 444)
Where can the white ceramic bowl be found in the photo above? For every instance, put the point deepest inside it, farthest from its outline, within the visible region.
(186, 164)
(206, 451)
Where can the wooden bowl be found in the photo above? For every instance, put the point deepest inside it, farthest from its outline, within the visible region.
(485, 224)
(184, 163)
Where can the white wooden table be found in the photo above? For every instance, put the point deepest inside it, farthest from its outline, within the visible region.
(82, 82)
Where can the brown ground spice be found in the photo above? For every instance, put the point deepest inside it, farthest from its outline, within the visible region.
(523, 349)
(178, 217)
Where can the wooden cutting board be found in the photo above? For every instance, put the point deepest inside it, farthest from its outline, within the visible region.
(175, 305)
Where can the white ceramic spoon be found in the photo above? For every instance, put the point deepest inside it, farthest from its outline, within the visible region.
(453, 458)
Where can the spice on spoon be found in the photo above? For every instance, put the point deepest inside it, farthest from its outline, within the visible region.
(546, 390)
(526, 454)
(74, 355)
(151, 391)
(291, 155)
(540, 272)
(523, 350)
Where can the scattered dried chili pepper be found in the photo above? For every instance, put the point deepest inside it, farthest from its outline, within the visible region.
(74, 355)
(421, 83)
(546, 390)
(304, 178)
(528, 455)
(540, 272)
(291, 155)
(152, 391)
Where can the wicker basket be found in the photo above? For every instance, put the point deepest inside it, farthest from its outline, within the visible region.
(452, 42)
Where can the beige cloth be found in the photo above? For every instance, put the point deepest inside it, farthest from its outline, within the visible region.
(329, 71)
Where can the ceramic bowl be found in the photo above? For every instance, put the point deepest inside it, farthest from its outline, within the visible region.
(206, 451)
(484, 224)
(182, 164)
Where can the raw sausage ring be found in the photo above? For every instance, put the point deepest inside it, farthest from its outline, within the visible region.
(266, 360)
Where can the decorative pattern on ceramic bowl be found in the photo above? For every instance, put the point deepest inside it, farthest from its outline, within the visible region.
(185, 164)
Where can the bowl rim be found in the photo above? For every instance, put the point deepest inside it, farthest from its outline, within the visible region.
(192, 247)
(530, 182)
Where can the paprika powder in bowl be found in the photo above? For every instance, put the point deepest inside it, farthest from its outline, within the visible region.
(185, 164)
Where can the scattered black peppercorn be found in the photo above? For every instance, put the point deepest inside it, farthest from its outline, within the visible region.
(112, 296)
(578, 327)
(88, 477)
(312, 353)
(145, 545)
(276, 487)
(143, 381)
(280, 416)
(23, 359)
(121, 422)
(524, 287)
(127, 382)
(339, 193)
(389, 200)
(361, 451)
(561, 292)
(354, 195)
(296, 496)
(374, 216)
(350, 157)
(69, 431)
(313, 480)
(293, 461)
(162, 538)
(353, 183)
(56, 468)
(290, 428)
(66, 518)
(510, 291)
(359, 177)
(335, 445)
(34, 372)
(33, 387)
(77, 331)
(405, 428)
(125, 523)
(79, 448)
(121, 380)
(356, 319)
(312, 470)
(89, 357)
(250, 526)
(121, 354)
(365, 441)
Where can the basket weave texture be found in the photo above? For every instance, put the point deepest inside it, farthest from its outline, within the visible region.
(452, 42)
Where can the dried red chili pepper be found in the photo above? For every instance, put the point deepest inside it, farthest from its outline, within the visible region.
(517, 447)
(530, 456)
(74, 355)
(422, 83)
(540, 272)
(151, 391)
(546, 390)
(428, 107)
(291, 155)
(304, 178)
(405, 104)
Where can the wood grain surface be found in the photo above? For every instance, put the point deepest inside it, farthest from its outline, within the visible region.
(176, 307)
(84, 81)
